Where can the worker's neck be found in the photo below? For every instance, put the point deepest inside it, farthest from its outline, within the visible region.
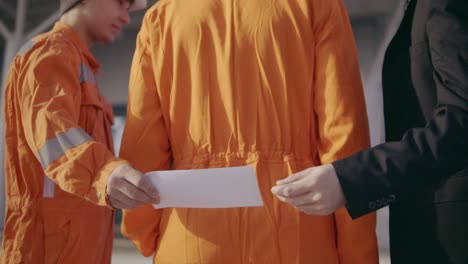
(72, 19)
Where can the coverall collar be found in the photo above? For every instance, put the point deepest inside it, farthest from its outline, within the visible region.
(73, 36)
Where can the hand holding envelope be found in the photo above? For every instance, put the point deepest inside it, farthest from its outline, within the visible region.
(207, 188)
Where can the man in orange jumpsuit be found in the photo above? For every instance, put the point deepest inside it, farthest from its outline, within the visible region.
(266, 83)
(62, 178)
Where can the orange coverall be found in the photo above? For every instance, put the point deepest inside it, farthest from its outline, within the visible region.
(59, 153)
(268, 83)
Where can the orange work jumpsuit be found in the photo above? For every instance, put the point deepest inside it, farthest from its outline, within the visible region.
(59, 153)
(266, 83)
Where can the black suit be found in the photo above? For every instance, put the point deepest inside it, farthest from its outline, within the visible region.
(422, 171)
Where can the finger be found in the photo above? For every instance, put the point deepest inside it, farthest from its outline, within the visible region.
(129, 190)
(303, 200)
(292, 178)
(141, 182)
(148, 187)
(121, 201)
(291, 190)
(116, 204)
(308, 199)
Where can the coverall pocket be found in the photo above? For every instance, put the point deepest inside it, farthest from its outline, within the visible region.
(91, 99)
(56, 238)
(92, 113)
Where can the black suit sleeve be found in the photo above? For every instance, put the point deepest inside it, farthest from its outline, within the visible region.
(426, 156)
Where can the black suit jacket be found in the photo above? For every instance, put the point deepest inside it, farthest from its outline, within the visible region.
(422, 170)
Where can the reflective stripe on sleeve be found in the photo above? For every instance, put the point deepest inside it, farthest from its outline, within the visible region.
(49, 188)
(87, 75)
(56, 147)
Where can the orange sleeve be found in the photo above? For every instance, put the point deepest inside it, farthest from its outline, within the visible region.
(145, 142)
(341, 115)
(50, 97)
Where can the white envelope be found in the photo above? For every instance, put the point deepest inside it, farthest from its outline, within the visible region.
(207, 188)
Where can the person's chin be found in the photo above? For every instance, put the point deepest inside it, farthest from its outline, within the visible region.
(108, 39)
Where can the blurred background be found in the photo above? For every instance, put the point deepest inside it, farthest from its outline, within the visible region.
(374, 23)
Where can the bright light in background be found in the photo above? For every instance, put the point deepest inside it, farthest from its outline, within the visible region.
(117, 131)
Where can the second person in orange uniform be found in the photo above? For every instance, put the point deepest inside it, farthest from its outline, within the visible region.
(267, 83)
